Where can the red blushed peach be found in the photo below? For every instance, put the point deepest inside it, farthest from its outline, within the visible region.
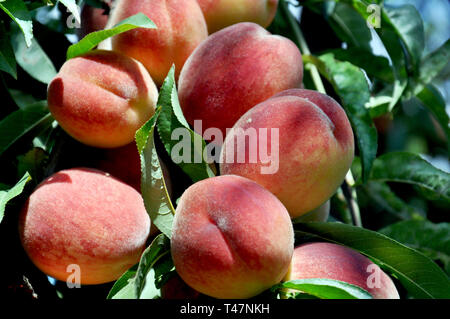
(181, 27)
(320, 214)
(331, 261)
(87, 218)
(102, 98)
(223, 13)
(231, 238)
(309, 144)
(176, 288)
(235, 69)
(124, 163)
(92, 19)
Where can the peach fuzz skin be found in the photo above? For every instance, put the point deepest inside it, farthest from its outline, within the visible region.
(85, 217)
(223, 13)
(315, 148)
(180, 29)
(176, 288)
(102, 98)
(231, 238)
(331, 261)
(233, 70)
(320, 214)
(124, 163)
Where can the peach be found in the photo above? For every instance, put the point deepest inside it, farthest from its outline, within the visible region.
(231, 238)
(310, 142)
(124, 163)
(102, 98)
(180, 28)
(331, 261)
(176, 288)
(233, 70)
(87, 218)
(223, 13)
(320, 214)
(92, 19)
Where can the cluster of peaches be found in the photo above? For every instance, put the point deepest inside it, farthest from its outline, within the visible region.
(232, 234)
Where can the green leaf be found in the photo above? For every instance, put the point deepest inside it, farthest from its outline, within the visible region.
(158, 249)
(32, 162)
(7, 195)
(7, 59)
(349, 20)
(123, 288)
(389, 35)
(153, 188)
(21, 122)
(91, 40)
(139, 281)
(171, 119)
(396, 53)
(418, 274)
(154, 192)
(150, 291)
(408, 25)
(32, 59)
(298, 295)
(432, 99)
(18, 12)
(32, 5)
(383, 101)
(410, 168)
(21, 98)
(434, 63)
(46, 139)
(340, 207)
(351, 85)
(326, 288)
(164, 270)
(433, 240)
(379, 193)
(349, 26)
(376, 66)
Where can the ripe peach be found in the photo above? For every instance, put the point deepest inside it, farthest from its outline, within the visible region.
(176, 288)
(235, 69)
(223, 13)
(124, 163)
(231, 238)
(331, 261)
(320, 214)
(92, 19)
(87, 218)
(181, 27)
(102, 98)
(310, 141)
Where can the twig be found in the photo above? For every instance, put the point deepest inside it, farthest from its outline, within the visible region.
(315, 75)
